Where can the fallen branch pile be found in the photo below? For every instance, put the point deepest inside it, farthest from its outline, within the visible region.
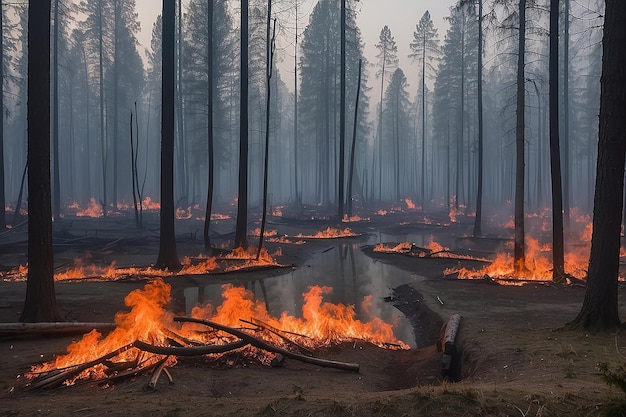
(156, 358)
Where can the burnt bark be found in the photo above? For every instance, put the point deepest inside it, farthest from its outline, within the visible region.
(519, 250)
(599, 309)
(168, 258)
(40, 304)
(211, 162)
(241, 229)
(558, 261)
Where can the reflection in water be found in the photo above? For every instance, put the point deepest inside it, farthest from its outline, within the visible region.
(342, 266)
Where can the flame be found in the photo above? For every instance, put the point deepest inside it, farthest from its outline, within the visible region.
(93, 209)
(410, 205)
(322, 324)
(399, 248)
(354, 218)
(266, 233)
(148, 204)
(538, 264)
(381, 212)
(183, 214)
(330, 233)
(434, 246)
(278, 211)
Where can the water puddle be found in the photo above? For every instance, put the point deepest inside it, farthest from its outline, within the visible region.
(342, 266)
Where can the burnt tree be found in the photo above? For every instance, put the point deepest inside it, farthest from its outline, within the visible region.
(168, 258)
(241, 230)
(40, 304)
(599, 309)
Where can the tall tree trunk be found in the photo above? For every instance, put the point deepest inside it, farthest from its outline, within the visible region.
(479, 189)
(168, 258)
(3, 220)
(268, 73)
(599, 309)
(183, 174)
(55, 117)
(211, 161)
(297, 197)
(353, 149)
(342, 112)
(40, 302)
(519, 250)
(103, 141)
(422, 189)
(241, 230)
(116, 98)
(558, 262)
(566, 140)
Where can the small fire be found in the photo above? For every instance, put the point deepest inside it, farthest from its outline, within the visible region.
(278, 211)
(148, 204)
(382, 212)
(219, 216)
(410, 205)
(538, 265)
(329, 233)
(93, 209)
(322, 324)
(354, 218)
(183, 214)
(266, 233)
(402, 247)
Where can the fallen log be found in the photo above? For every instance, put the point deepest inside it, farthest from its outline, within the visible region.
(447, 344)
(64, 375)
(52, 328)
(261, 344)
(190, 350)
(154, 379)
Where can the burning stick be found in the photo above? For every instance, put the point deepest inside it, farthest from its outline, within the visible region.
(261, 344)
(189, 351)
(67, 374)
(275, 331)
(157, 373)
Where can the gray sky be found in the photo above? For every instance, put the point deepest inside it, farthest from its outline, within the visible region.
(400, 15)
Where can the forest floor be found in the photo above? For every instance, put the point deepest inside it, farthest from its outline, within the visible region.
(518, 359)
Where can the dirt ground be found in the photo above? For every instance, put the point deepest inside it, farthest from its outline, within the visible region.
(517, 359)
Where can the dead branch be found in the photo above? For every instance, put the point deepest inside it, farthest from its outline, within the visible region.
(154, 379)
(261, 344)
(277, 332)
(59, 377)
(189, 351)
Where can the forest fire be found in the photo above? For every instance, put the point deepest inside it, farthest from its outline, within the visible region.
(148, 328)
(93, 209)
(329, 233)
(354, 218)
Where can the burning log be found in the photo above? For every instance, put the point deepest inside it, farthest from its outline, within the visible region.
(64, 375)
(190, 350)
(157, 374)
(277, 332)
(53, 328)
(261, 344)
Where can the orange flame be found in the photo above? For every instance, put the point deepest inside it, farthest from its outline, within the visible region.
(410, 205)
(354, 218)
(93, 209)
(330, 233)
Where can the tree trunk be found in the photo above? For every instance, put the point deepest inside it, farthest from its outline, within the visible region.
(168, 258)
(40, 303)
(519, 250)
(353, 149)
(558, 262)
(55, 121)
(211, 161)
(3, 220)
(241, 230)
(342, 113)
(116, 95)
(479, 191)
(566, 141)
(103, 144)
(599, 309)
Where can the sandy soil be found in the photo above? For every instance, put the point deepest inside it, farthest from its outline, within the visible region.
(516, 357)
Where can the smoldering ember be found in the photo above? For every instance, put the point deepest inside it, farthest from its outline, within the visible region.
(312, 208)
